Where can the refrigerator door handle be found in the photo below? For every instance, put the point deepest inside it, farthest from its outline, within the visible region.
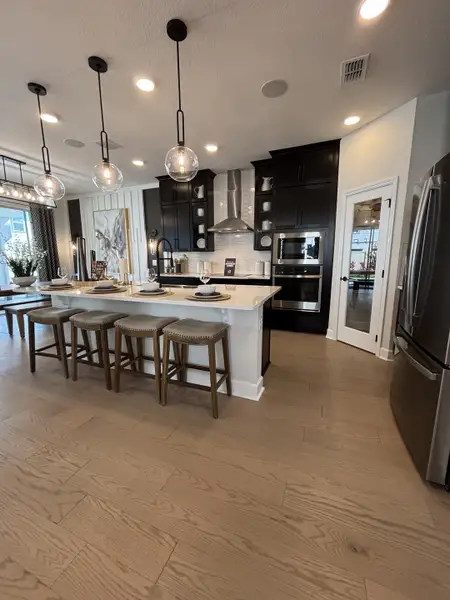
(402, 345)
(412, 262)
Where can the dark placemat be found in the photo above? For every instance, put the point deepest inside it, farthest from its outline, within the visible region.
(209, 298)
(148, 296)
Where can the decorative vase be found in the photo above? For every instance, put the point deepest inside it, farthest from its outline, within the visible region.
(24, 281)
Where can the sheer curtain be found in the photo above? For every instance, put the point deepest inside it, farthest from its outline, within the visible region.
(43, 223)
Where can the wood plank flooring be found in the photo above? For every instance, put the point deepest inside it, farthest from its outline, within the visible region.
(308, 494)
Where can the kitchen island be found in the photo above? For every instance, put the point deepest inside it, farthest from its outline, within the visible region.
(246, 312)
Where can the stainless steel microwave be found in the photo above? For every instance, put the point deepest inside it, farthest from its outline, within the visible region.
(298, 248)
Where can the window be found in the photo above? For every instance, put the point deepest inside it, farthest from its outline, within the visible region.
(18, 225)
(15, 224)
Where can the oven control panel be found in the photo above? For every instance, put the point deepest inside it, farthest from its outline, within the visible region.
(296, 270)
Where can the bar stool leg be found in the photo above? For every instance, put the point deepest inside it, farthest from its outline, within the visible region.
(32, 345)
(87, 343)
(140, 354)
(226, 361)
(62, 349)
(98, 339)
(177, 356)
(55, 335)
(184, 358)
(166, 356)
(213, 375)
(21, 325)
(74, 352)
(117, 360)
(106, 363)
(157, 362)
(130, 351)
(9, 322)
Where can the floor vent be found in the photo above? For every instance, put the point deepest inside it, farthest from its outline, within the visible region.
(355, 69)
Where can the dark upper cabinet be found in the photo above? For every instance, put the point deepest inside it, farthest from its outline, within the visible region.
(169, 217)
(187, 211)
(315, 163)
(316, 204)
(319, 165)
(176, 225)
(184, 233)
(285, 209)
(287, 170)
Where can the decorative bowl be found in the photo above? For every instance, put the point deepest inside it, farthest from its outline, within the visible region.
(206, 290)
(24, 281)
(150, 286)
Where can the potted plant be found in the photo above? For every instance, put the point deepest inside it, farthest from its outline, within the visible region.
(23, 259)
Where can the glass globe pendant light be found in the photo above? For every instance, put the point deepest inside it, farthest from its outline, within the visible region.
(106, 176)
(181, 162)
(47, 185)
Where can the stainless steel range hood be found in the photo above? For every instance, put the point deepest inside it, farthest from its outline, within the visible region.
(233, 223)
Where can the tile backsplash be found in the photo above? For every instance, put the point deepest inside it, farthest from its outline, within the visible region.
(230, 245)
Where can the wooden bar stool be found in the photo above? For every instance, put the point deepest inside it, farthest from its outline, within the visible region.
(20, 310)
(140, 327)
(55, 317)
(188, 332)
(99, 321)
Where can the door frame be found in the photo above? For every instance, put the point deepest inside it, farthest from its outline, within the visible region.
(373, 187)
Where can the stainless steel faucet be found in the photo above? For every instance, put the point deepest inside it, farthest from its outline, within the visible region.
(163, 239)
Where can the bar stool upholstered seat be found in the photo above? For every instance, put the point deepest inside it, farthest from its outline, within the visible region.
(139, 327)
(187, 332)
(56, 317)
(100, 322)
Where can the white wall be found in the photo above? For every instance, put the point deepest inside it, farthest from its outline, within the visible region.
(404, 143)
(239, 246)
(376, 152)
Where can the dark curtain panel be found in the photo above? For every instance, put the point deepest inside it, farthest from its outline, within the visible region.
(43, 223)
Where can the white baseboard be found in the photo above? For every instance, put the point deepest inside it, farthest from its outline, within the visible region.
(386, 354)
(330, 334)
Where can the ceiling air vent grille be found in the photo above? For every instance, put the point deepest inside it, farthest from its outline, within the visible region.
(355, 69)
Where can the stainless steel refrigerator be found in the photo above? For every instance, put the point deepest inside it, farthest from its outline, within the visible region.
(420, 389)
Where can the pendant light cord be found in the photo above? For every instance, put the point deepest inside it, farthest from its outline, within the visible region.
(103, 135)
(44, 149)
(180, 113)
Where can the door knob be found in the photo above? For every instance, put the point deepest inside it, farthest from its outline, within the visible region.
(344, 278)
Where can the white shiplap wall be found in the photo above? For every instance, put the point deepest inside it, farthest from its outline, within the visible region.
(130, 198)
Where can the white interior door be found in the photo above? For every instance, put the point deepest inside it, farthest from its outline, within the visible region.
(364, 260)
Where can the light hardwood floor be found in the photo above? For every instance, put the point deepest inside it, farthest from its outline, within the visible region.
(308, 494)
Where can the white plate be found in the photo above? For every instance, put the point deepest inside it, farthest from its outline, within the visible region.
(201, 243)
(266, 241)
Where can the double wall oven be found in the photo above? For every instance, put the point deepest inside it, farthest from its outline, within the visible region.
(297, 267)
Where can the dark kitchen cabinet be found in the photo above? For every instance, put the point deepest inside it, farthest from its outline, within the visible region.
(176, 225)
(285, 209)
(173, 192)
(187, 211)
(316, 204)
(319, 165)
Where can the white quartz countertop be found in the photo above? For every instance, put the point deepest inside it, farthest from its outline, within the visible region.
(243, 297)
(218, 276)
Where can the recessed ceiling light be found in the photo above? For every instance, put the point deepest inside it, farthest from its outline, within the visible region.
(211, 147)
(370, 9)
(137, 162)
(353, 120)
(49, 118)
(146, 85)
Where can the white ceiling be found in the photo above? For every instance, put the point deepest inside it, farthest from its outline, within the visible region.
(233, 47)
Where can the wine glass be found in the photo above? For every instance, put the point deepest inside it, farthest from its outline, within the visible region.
(151, 275)
(205, 276)
(62, 272)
